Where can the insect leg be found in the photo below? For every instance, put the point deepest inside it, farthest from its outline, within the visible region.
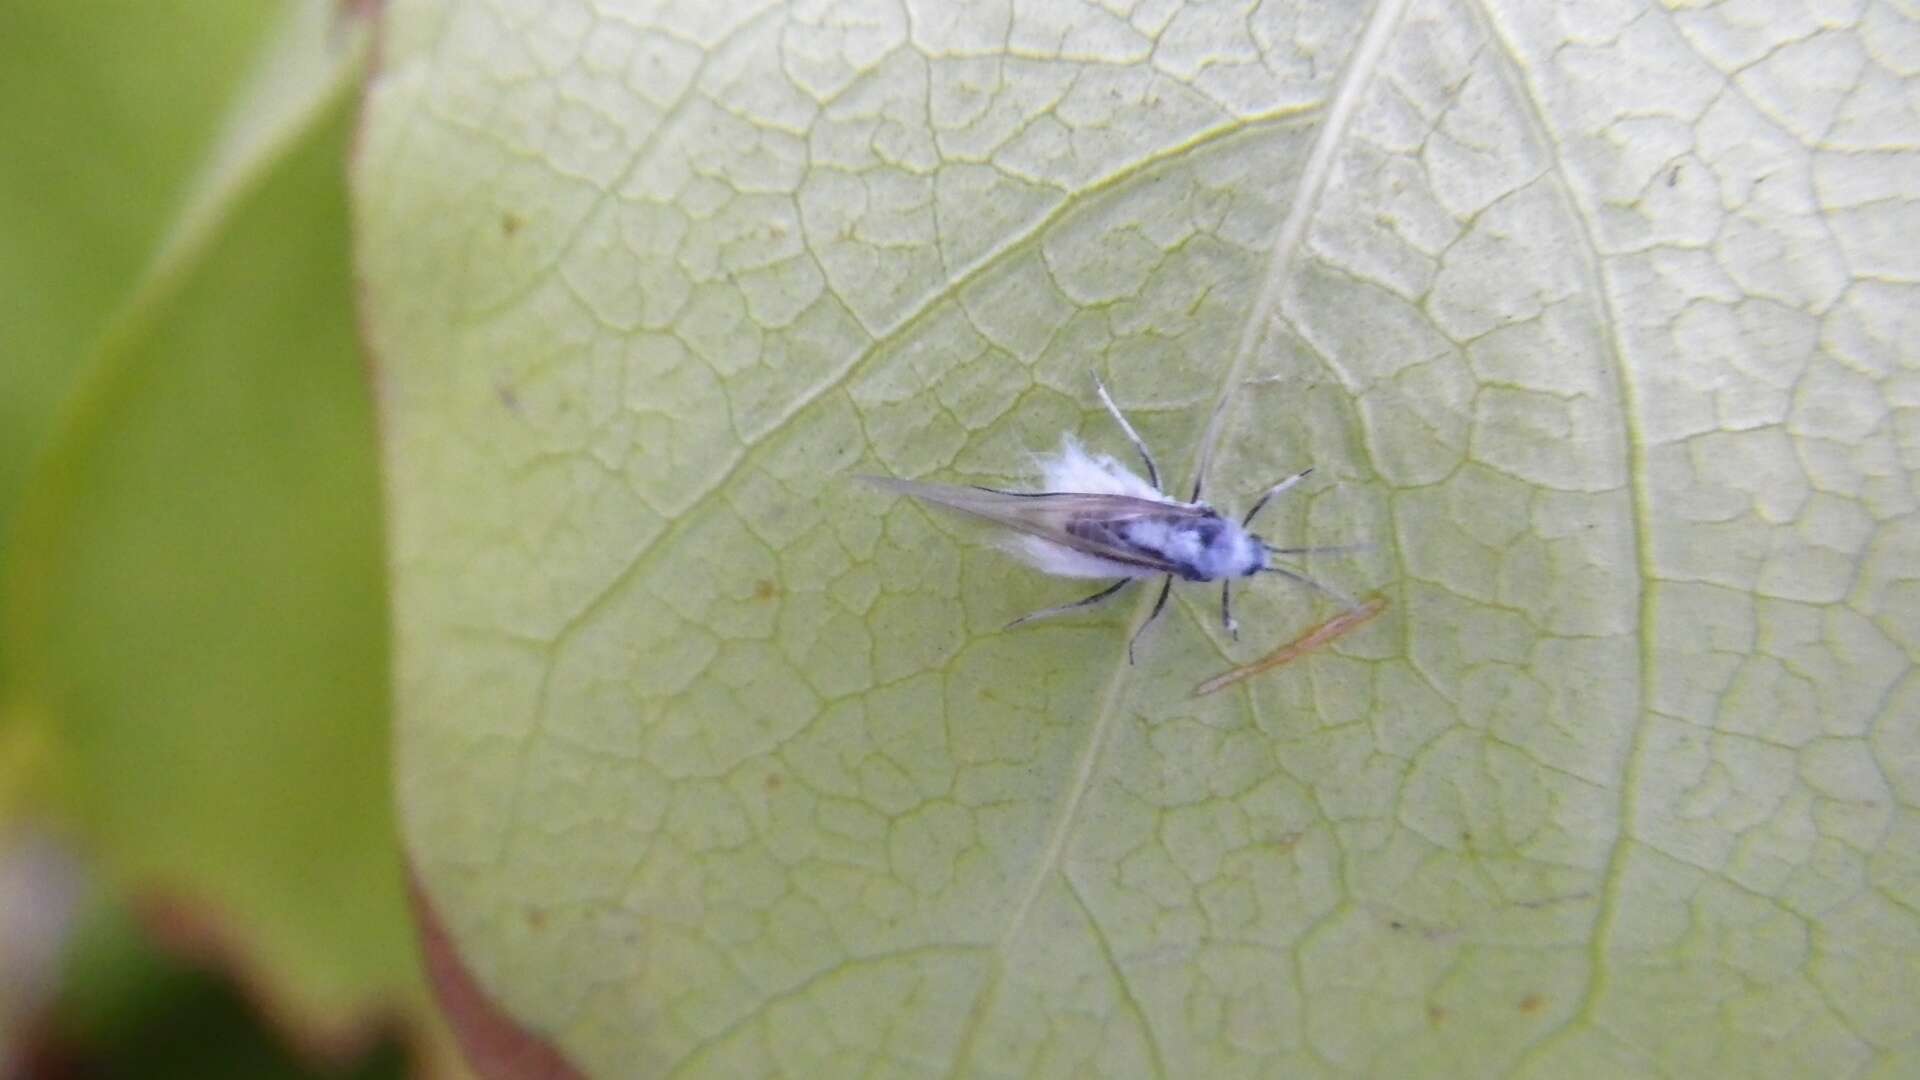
(1208, 442)
(1048, 613)
(1157, 605)
(1153, 471)
(1261, 503)
(1226, 609)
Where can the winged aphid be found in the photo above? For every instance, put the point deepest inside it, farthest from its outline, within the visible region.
(1094, 518)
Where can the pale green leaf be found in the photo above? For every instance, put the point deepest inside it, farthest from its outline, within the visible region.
(1598, 319)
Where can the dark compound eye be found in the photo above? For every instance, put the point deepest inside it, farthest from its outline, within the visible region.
(1209, 532)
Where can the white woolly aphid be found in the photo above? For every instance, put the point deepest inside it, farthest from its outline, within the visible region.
(1081, 530)
(1101, 521)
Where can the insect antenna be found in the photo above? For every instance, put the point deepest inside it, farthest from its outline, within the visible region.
(1260, 503)
(1325, 590)
(1324, 549)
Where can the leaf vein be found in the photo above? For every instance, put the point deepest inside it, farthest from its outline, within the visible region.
(1640, 495)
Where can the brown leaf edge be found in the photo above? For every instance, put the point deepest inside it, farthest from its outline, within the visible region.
(494, 1044)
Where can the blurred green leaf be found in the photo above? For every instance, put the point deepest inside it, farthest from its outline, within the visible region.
(195, 635)
(110, 107)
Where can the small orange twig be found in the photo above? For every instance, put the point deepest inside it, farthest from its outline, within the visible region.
(1319, 636)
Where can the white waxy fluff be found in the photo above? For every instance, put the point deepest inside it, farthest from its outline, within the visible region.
(1073, 469)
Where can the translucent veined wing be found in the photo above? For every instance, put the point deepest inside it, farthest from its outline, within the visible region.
(1074, 520)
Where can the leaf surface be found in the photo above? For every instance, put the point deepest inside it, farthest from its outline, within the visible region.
(715, 761)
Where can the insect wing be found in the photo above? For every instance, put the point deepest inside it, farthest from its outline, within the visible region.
(1048, 515)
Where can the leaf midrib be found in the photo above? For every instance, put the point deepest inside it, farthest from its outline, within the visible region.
(1346, 98)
